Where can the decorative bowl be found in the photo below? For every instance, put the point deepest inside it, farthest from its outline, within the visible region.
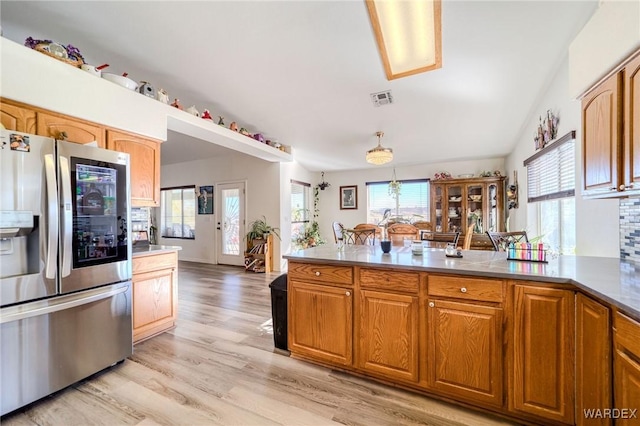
(120, 80)
(475, 197)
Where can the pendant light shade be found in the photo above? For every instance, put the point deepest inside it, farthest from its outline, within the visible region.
(379, 155)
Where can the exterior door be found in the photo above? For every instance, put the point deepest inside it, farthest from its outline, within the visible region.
(230, 238)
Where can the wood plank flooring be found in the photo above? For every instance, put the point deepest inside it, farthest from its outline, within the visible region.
(219, 367)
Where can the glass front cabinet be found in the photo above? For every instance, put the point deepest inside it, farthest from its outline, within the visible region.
(468, 205)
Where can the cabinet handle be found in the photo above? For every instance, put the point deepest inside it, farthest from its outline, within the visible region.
(317, 273)
(623, 187)
(348, 293)
(62, 135)
(463, 289)
(432, 304)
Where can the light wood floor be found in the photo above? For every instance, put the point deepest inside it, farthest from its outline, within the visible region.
(218, 366)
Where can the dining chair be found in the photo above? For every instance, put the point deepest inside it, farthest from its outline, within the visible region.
(501, 240)
(397, 232)
(373, 226)
(362, 236)
(338, 234)
(477, 241)
(439, 239)
(423, 225)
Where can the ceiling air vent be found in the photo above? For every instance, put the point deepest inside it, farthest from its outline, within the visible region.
(382, 98)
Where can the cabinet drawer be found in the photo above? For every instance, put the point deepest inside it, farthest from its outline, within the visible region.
(389, 280)
(466, 288)
(323, 273)
(628, 333)
(154, 262)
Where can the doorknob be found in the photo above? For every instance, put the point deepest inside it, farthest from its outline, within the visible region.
(218, 226)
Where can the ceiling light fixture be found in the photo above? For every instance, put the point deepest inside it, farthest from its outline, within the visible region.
(379, 155)
(408, 34)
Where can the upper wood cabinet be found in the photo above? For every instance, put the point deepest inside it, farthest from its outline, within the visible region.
(70, 129)
(593, 359)
(468, 205)
(145, 166)
(543, 353)
(610, 141)
(18, 118)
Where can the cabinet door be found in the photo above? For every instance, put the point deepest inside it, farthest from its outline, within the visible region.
(627, 369)
(543, 353)
(154, 303)
(437, 206)
(465, 350)
(389, 335)
(78, 131)
(593, 359)
(17, 118)
(632, 125)
(145, 166)
(321, 322)
(601, 134)
(454, 209)
(476, 212)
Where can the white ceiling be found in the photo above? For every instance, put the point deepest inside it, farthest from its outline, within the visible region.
(301, 72)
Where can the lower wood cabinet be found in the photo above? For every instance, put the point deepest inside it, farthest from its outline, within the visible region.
(543, 353)
(593, 360)
(464, 346)
(627, 370)
(388, 335)
(155, 294)
(321, 322)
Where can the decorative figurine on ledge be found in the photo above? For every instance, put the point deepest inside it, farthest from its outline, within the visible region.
(233, 126)
(245, 132)
(259, 137)
(221, 120)
(193, 111)
(176, 104)
(206, 115)
(162, 96)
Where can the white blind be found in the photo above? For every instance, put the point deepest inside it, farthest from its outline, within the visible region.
(551, 172)
(413, 202)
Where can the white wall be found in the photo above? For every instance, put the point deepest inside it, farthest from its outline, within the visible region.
(330, 199)
(597, 227)
(263, 198)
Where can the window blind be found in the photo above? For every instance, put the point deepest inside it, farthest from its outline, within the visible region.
(551, 171)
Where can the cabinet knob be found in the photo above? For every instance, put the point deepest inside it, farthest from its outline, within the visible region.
(623, 187)
(317, 273)
(463, 289)
(432, 304)
(62, 135)
(348, 293)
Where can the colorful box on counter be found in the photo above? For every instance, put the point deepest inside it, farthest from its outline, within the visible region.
(530, 252)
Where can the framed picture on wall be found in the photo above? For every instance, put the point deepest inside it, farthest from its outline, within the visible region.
(348, 197)
(205, 199)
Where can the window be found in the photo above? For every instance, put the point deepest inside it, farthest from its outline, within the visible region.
(412, 204)
(300, 211)
(178, 212)
(551, 193)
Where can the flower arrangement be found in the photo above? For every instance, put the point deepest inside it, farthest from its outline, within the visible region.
(442, 175)
(309, 237)
(69, 53)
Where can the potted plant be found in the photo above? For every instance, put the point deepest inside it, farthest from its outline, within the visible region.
(259, 228)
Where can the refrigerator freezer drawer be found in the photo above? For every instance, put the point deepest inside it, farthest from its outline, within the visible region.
(48, 345)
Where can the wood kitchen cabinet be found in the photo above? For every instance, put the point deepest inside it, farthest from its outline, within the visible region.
(593, 359)
(17, 117)
(59, 126)
(611, 143)
(543, 353)
(464, 338)
(627, 367)
(388, 324)
(321, 312)
(145, 166)
(468, 205)
(155, 294)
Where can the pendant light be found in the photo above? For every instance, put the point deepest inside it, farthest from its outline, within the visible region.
(379, 155)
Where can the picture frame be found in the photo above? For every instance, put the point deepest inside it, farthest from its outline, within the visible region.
(205, 199)
(349, 197)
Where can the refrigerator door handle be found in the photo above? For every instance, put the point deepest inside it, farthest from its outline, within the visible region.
(67, 302)
(52, 213)
(65, 175)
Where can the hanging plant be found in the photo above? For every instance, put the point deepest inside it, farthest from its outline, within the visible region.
(323, 185)
(395, 186)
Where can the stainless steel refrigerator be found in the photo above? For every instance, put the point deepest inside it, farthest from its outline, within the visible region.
(65, 264)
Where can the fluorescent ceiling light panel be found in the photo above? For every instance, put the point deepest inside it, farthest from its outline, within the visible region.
(408, 33)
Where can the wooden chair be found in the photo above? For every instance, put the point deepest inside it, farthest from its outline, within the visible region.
(501, 240)
(373, 226)
(397, 232)
(363, 236)
(477, 241)
(439, 239)
(338, 234)
(423, 225)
